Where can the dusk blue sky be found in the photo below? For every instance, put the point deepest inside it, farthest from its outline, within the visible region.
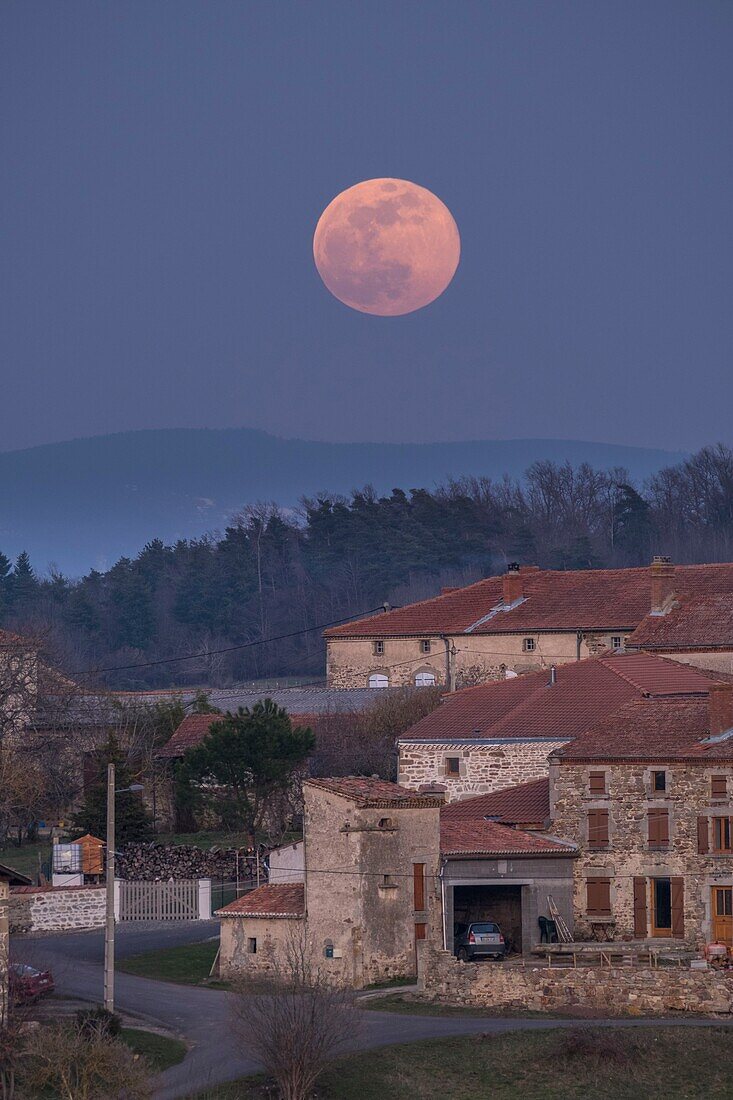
(164, 163)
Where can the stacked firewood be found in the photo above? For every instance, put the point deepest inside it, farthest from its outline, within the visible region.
(159, 862)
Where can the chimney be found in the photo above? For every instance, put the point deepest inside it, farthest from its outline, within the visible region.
(662, 575)
(553, 675)
(720, 703)
(513, 587)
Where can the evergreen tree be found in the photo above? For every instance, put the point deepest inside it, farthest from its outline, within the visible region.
(131, 818)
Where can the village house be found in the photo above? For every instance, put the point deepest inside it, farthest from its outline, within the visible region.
(499, 734)
(369, 890)
(530, 618)
(8, 878)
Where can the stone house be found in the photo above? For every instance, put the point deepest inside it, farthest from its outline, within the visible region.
(370, 890)
(647, 796)
(8, 878)
(496, 735)
(529, 619)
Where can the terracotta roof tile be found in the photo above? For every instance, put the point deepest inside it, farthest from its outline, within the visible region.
(526, 803)
(698, 622)
(194, 727)
(590, 599)
(368, 791)
(283, 900)
(479, 837)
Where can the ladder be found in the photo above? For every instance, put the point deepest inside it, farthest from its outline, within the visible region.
(563, 932)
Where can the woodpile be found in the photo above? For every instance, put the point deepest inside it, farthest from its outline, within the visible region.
(159, 862)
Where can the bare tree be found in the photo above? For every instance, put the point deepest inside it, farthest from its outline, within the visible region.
(298, 1028)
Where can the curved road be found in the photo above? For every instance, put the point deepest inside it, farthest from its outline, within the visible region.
(202, 1016)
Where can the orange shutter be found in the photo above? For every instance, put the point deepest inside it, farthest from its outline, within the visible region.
(597, 828)
(418, 886)
(678, 906)
(718, 786)
(597, 782)
(658, 826)
(703, 835)
(598, 897)
(640, 907)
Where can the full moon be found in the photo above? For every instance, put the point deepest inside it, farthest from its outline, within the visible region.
(386, 247)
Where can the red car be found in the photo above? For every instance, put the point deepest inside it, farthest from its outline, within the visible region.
(28, 984)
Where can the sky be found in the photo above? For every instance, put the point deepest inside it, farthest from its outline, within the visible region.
(164, 164)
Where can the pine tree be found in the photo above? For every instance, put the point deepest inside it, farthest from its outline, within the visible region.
(131, 818)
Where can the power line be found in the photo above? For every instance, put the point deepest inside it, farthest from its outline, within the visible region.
(226, 649)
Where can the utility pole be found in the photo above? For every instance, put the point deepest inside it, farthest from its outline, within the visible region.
(109, 928)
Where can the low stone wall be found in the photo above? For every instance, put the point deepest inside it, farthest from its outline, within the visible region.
(56, 908)
(611, 991)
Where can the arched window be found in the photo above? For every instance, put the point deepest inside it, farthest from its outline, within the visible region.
(378, 680)
(425, 679)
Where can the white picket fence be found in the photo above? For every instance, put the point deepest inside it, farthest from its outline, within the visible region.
(185, 899)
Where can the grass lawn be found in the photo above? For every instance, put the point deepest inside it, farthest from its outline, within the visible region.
(406, 1005)
(657, 1063)
(160, 1051)
(189, 964)
(25, 858)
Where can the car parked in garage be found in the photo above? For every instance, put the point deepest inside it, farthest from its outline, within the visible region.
(479, 940)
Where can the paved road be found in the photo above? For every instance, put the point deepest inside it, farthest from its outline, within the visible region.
(202, 1016)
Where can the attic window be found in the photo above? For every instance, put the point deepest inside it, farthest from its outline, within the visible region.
(251, 945)
(659, 781)
(529, 645)
(378, 647)
(617, 641)
(425, 645)
(453, 765)
(386, 823)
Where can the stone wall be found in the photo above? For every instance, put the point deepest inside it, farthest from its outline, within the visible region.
(272, 939)
(608, 991)
(56, 909)
(628, 854)
(488, 766)
(478, 658)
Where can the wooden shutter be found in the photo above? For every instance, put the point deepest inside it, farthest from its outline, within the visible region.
(640, 907)
(703, 835)
(718, 786)
(597, 782)
(658, 826)
(421, 931)
(597, 828)
(418, 886)
(678, 906)
(598, 897)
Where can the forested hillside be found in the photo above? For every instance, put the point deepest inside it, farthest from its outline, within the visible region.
(279, 573)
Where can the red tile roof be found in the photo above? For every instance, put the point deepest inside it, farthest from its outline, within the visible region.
(194, 727)
(527, 803)
(284, 900)
(696, 623)
(367, 791)
(530, 707)
(589, 599)
(666, 728)
(489, 838)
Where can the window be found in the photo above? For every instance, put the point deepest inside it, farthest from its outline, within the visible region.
(722, 834)
(662, 906)
(378, 680)
(658, 828)
(597, 828)
(386, 823)
(598, 897)
(378, 647)
(388, 882)
(453, 765)
(597, 782)
(418, 887)
(718, 786)
(529, 645)
(617, 641)
(659, 781)
(425, 645)
(251, 945)
(425, 679)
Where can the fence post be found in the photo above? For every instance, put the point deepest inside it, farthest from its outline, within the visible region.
(204, 899)
(117, 888)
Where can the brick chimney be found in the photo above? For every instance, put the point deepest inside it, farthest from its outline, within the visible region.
(662, 577)
(720, 703)
(513, 585)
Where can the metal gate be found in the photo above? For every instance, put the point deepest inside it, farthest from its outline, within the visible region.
(159, 900)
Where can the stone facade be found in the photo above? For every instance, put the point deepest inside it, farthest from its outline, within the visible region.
(599, 990)
(485, 766)
(255, 947)
(457, 660)
(56, 909)
(628, 855)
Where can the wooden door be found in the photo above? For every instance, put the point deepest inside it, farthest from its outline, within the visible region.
(723, 914)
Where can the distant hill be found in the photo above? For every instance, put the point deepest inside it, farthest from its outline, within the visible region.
(86, 502)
